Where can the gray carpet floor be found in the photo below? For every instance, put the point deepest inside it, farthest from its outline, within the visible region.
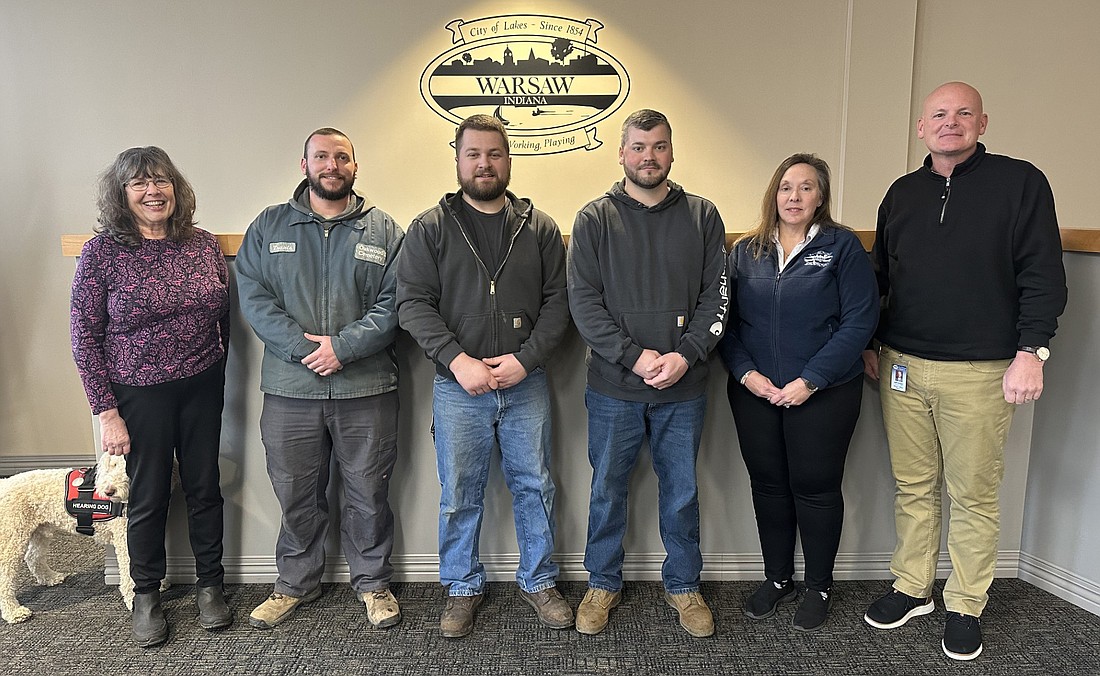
(81, 627)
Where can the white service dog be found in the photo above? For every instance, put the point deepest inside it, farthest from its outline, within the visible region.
(32, 511)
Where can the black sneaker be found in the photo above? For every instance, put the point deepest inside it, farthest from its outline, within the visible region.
(895, 609)
(770, 594)
(813, 611)
(962, 636)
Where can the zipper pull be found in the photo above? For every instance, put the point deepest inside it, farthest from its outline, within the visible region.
(946, 196)
(492, 287)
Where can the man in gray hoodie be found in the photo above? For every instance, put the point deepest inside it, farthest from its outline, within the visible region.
(648, 293)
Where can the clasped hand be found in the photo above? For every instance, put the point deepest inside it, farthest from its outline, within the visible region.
(660, 371)
(322, 361)
(794, 393)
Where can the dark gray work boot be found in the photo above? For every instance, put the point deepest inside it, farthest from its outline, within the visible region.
(213, 611)
(149, 626)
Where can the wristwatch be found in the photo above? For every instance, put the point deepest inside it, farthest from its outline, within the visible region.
(1041, 353)
(809, 386)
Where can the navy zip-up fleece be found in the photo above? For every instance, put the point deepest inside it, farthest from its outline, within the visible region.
(810, 321)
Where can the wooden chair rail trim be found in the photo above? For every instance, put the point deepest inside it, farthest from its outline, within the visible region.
(1084, 240)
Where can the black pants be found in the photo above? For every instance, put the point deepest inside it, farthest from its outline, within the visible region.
(181, 418)
(795, 457)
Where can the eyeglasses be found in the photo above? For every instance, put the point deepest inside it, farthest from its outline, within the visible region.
(141, 184)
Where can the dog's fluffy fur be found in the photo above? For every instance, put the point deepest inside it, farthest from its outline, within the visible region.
(32, 510)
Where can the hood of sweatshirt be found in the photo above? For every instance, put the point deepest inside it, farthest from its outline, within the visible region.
(618, 192)
(521, 206)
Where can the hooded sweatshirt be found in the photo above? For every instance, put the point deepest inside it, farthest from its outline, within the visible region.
(451, 302)
(647, 278)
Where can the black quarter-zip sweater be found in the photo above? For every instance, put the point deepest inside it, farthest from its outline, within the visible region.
(969, 266)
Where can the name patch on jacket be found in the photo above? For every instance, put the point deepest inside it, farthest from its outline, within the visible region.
(370, 254)
(282, 247)
(819, 258)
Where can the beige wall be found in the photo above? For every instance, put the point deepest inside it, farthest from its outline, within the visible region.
(230, 90)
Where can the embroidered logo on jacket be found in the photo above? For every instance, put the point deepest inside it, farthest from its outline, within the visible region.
(282, 247)
(370, 254)
(819, 258)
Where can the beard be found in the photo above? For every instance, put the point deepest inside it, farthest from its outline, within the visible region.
(324, 193)
(485, 193)
(646, 182)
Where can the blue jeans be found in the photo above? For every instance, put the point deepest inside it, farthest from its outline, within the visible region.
(467, 430)
(616, 430)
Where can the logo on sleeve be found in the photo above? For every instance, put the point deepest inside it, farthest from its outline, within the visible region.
(282, 247)
(370, 253)
(820, 259)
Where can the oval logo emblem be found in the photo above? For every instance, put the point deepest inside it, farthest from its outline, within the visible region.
(542, 76)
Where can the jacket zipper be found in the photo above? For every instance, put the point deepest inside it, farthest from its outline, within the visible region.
(495, 337)
(324, 296)
(813, 245)
(946, 197)
(775, 315)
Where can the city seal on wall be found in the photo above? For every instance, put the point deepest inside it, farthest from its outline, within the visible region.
(542, 76)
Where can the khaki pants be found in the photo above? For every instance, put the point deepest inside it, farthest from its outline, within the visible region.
(949, 426)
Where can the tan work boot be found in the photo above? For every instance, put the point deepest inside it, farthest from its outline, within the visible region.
(278, 607)
(695, 615)
(593, 611)
(457, 619)
(553, 610)
(382, 608)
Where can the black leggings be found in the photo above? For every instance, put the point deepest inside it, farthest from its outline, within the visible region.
(795, 457)
(181, 417)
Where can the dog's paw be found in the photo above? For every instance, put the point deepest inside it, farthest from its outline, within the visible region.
(20, 614)
(50, 579)
(165, 585)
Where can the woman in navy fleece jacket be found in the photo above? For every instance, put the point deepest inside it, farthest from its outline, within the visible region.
(804, 304)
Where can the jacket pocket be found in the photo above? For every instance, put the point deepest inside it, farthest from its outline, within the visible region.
(660, 331)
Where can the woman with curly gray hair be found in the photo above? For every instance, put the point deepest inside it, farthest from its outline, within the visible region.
(150, 330)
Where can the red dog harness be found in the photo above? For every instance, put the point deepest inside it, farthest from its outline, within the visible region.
(83, 503)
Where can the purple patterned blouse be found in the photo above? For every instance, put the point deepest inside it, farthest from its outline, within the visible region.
(148, 315)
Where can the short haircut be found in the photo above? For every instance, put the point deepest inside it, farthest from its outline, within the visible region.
(481, 122)
(326, 131)
(115, 218)
(644, 119)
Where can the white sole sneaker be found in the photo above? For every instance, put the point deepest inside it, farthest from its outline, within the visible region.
(962, 657)
(915, 612)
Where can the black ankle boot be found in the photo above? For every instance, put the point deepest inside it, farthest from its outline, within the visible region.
(213, 611)
(149, 625)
